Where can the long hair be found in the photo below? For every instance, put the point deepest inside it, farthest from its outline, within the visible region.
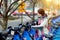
(42, 12)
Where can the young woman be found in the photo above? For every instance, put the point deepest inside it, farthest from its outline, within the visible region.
(43, 22)
(41, 16)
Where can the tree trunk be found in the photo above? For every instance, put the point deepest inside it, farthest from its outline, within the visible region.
(5, 21)
(33, 11)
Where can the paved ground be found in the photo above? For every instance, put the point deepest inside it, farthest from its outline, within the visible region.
(15, 23)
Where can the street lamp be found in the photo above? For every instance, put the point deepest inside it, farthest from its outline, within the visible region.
(20, 9)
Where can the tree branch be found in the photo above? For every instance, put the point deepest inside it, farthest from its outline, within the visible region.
(10, 6)
(0, 7)
(0, 3)
(29, 15)
(13, 3)
(16, 7)
(1, 23)
(4, 7)
(1, 14)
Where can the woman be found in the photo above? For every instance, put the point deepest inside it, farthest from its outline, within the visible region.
(41, 16)
(43, 22)
(38, 35)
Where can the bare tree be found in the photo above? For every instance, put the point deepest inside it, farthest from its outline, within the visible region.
(7, 11)
(33, 4)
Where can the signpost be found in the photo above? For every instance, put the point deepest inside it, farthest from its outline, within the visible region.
(21, 9)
